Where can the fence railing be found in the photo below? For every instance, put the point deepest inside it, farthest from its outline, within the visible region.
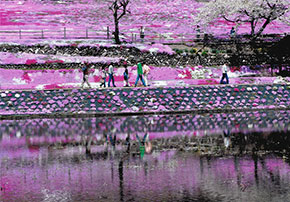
(69, 33)
(65, 33)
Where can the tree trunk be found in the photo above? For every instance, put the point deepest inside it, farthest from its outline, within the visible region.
(271, 69)
(253, 38)
(262, 28)
(252, 29)
(116, 33)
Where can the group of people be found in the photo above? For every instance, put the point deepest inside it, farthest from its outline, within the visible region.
(198, 32)
(142, 74)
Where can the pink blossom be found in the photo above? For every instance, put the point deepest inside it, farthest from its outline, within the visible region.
(30, 61)
(255, 105)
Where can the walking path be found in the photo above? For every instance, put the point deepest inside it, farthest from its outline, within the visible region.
(46, 79)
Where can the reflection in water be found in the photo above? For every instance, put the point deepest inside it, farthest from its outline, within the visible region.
(172, 158)
(73, 130)
(227, 139)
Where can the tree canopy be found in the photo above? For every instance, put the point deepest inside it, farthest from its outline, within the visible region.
(258, 13)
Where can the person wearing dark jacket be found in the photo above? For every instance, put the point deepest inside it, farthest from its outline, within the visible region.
(85, 70)
(126, 76)
(103, 77)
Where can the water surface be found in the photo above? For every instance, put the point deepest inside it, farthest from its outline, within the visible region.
(210, 157)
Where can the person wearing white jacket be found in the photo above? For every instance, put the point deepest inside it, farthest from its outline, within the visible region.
(103, 77)
(111, 76)
(225, 74)
(146, 71)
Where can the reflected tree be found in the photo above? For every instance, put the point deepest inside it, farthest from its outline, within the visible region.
(255, 159)
(121, 180)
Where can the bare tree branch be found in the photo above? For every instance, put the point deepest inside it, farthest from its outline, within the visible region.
(119, 5)
(224, 17)
(124, 4)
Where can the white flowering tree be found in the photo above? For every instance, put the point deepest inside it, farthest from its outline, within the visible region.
(119, 9)
(257, 13)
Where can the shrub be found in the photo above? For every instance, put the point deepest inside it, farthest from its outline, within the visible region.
(179, 51)
(194, 50)
(214, 51)
(204, 53)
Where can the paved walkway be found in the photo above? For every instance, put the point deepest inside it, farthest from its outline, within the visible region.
(155, 83)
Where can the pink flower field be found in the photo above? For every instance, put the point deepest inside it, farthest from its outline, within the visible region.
(71, 78)
(170, 19)
(27, 58)
(182, 136)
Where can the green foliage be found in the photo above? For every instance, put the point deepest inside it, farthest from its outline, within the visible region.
(178, 51)
(214, 51)
(78, 42)
(204, 53)
(192, 51)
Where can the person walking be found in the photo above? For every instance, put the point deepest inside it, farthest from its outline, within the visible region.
(142, 34)
(232, 32)
(126, 76)
(146, 73)
(103, 75)
(225, 74)
(111, 76)
(85, 70)
(197, 32)
(139, 74)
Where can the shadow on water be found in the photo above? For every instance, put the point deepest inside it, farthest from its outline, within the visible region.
(211, 157)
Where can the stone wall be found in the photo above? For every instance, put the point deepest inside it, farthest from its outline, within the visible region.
(157, 125)
(144, 100)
